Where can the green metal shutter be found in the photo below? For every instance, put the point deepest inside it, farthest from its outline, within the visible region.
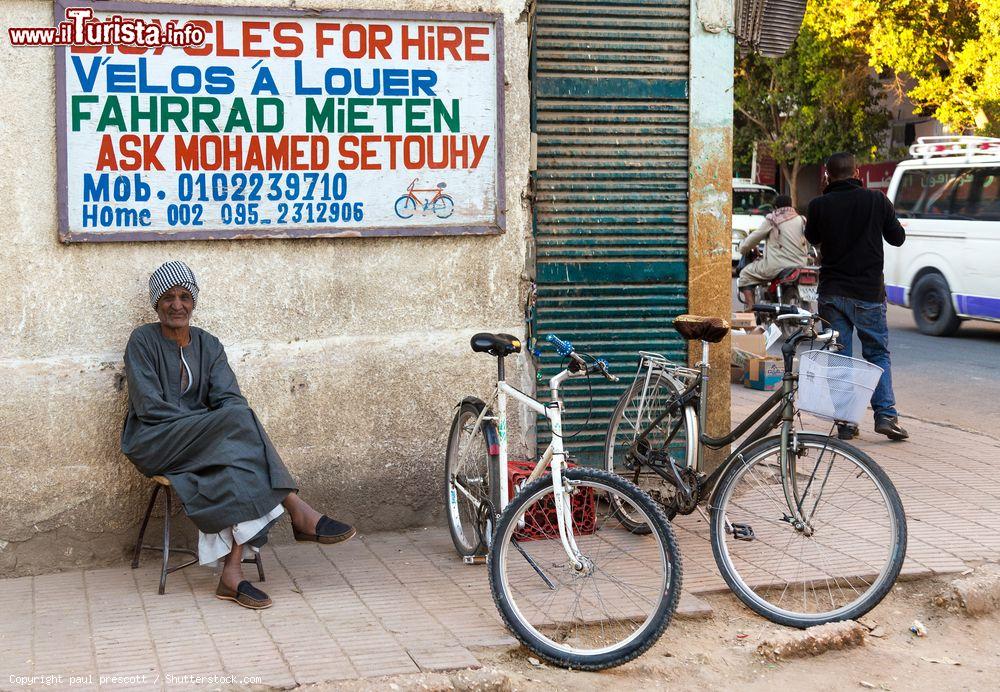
(610, 86)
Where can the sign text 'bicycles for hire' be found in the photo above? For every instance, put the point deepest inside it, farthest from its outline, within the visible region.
(281, 123)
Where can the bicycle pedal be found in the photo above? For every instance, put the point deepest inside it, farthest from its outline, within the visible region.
(743, 532)
(474, 559)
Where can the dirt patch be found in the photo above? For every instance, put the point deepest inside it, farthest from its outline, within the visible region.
(975, 594)
(813, 641)
(721, 654)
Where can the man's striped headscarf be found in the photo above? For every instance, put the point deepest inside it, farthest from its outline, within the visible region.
(170, 274)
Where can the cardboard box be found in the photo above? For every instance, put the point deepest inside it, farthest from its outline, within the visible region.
(737, 373)
(752, 342)
(740, 359)
(764, 373)
(743, 320)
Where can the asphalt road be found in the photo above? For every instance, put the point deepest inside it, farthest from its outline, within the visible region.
(953, 380)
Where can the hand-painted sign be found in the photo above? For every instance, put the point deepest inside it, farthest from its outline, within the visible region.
(284, 124)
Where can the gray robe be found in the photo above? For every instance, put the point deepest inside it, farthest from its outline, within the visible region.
(207, 441)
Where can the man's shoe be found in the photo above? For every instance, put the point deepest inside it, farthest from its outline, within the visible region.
(327, 531)
(847, 432)
(889, 426)
(246, 595)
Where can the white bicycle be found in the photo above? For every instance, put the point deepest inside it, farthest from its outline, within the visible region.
(573, 583)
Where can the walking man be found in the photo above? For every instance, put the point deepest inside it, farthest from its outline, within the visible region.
(848, 224)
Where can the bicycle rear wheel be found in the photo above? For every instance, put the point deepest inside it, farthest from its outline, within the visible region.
(611, 610)
(838, 567)
(636, 410)
(471, 480)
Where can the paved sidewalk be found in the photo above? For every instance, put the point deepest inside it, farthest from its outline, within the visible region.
(402, 602)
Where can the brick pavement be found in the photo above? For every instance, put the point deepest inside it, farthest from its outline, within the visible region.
(402, 602)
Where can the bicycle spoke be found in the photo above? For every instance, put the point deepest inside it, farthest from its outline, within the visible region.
(604, 604)
(837, 560)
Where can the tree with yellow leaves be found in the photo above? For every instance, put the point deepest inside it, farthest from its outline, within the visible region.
(944, 54)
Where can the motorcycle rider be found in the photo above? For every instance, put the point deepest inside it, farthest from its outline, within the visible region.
(786, 246)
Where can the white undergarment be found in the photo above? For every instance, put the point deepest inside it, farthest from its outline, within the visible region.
(214, 546)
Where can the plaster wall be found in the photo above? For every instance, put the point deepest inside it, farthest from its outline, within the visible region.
(710, 195)
(352, 351)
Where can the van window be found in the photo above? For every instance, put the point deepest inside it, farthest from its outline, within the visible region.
(757, 202)
(971, 194)
(984, 204)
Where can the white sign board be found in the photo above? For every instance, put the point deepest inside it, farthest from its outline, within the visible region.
(284, 124)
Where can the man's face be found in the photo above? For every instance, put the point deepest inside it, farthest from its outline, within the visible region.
(174, 307)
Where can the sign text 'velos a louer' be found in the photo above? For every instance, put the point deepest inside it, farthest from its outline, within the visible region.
(278, 126)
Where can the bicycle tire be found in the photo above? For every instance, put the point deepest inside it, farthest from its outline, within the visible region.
(885, 578)
(407, 204)
(651, 628)
(461, 535)
(444, 207)
(652, 480)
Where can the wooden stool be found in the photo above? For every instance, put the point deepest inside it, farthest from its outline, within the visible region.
(164, 482)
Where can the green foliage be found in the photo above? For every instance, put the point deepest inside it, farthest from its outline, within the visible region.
(945, 53)
(818, 99)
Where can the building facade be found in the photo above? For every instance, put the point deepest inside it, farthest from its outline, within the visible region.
(609, 214)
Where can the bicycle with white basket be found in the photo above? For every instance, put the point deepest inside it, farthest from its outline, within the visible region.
(573, 583)
(805, 528)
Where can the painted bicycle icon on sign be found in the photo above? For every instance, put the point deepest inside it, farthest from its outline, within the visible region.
(441, 204)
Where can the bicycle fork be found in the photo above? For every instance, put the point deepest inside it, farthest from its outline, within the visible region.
(563, 502)
(795, 499)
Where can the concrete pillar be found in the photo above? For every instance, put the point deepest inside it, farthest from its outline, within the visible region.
(710, 170)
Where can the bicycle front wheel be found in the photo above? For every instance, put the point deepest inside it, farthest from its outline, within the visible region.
(840, 564)
(444, 206)
(611, 609)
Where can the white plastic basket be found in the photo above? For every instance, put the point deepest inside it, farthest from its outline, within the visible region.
(836, 387)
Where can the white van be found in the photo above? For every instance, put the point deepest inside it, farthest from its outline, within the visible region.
(751, 203)
(948, 199)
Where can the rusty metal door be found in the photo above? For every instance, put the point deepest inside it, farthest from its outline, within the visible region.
(610, 113)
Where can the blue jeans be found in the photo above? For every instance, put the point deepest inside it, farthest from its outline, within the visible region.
(848, 314)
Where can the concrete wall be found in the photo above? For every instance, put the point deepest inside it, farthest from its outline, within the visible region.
(353, 352)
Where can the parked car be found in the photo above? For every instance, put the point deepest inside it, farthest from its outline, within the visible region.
(948, 199)
(751, 203)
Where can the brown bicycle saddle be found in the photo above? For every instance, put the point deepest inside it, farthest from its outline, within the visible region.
(698, 328)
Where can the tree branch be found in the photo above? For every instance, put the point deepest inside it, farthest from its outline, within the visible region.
(746, 114)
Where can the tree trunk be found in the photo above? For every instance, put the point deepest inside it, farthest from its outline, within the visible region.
(793, 187)
(786, 175)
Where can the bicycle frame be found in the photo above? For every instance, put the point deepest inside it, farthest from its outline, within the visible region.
(554, 456)
(780, 406)
(438, 194)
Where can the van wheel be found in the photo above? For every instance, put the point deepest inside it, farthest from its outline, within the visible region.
(933, 309)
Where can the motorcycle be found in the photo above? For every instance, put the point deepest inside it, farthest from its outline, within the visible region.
(798, 286)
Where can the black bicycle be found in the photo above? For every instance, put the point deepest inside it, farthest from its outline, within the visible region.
(805, 528)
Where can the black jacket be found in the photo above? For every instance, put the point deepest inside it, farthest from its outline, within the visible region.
(848, 224)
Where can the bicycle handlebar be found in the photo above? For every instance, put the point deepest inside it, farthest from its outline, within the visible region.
(786, 312)
(601, 366)
(563, 348)
(780, 309)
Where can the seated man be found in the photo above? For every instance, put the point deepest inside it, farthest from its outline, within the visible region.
(188, 421)
(786, 246)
